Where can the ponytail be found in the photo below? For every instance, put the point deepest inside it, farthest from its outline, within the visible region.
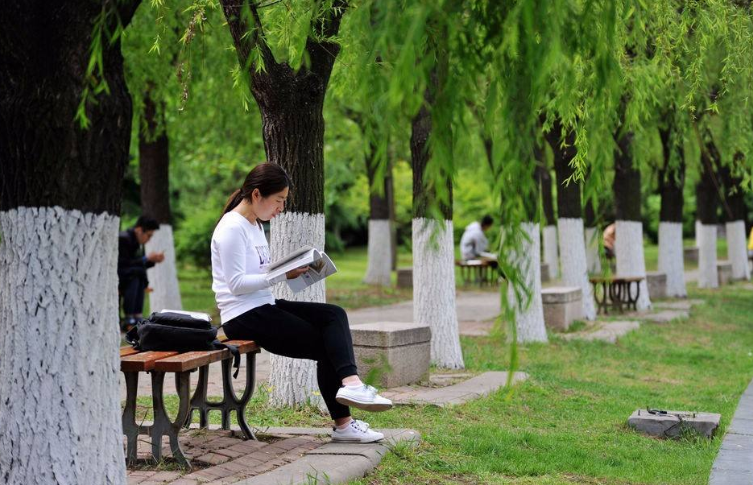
(233, 201)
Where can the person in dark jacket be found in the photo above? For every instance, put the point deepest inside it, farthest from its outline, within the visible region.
(132, 265)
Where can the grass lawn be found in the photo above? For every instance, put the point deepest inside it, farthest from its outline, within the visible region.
(567, 423)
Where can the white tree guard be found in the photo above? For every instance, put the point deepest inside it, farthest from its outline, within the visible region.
(708, 275)
(574, 266)
(737, 250)
(163, 277)
(593, 238)
(672, 258)
(529, 311)
(60, 419)
(293, 381)
(628, 247)
(550, 251)
(380, 253)
(434, 289)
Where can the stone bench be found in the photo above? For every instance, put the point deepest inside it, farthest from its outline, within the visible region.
(562, 305)
(392, 354)
(405, 277)
(657, 285)
(691, 255)
(724, 272)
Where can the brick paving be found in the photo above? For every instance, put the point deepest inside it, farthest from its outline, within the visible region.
(218, 457)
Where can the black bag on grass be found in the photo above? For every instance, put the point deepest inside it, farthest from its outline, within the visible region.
(166, 331)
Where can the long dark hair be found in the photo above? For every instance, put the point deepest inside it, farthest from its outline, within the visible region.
(269, 178)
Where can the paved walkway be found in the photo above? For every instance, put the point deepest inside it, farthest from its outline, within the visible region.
(734, 463)
(284, 456)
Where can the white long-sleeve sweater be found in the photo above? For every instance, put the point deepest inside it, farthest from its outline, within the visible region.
(240, 256)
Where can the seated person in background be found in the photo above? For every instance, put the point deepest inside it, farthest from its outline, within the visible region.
(474, 244)
(132, 265)
(750, 244)
(609, 238)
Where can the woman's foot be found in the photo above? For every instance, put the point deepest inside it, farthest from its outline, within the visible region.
(363, 397)
(356, 431)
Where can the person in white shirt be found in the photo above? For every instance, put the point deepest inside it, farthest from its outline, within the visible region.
(302, 330)
(473, 242)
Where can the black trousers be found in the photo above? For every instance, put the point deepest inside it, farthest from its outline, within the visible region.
(132, 290)
(303, 330)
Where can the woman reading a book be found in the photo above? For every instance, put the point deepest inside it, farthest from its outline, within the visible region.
(302, 330)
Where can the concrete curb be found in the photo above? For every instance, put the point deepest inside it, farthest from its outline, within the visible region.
(734, 463)
(332, 463)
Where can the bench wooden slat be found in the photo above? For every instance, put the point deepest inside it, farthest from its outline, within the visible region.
(143, 361)
(126, 351)
(193, 360)
(190, 360)
(244, 346)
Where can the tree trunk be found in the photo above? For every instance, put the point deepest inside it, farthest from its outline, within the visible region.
(60, 191)
(526, 298)
(629, 229)
(379, 268)
(433, 252)
(154, 166)
(551, 256)
(570, 224)
(291, 103)
(671, 183)
(593, 239)
(737, 244)
(707, 204)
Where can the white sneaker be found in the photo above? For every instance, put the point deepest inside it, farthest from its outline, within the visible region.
(356, 432)
(364, 397)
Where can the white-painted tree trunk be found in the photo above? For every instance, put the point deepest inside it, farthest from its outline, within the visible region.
(550, 251)
(708, 276)
(737, 250)
(672, 258)
(697, 233)
(380, 253)
(574, 265)
(526, 301)
(163, 277)
(593, 262)
(628, 247)
(293, 381)
(434, 289)
(60, 419)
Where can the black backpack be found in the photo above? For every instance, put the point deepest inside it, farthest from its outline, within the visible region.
(165, 331)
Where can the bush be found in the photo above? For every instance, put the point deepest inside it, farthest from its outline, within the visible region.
(193, 237)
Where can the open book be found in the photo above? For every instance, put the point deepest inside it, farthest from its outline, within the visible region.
(320, 266)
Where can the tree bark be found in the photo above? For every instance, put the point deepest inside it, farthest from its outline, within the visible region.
(707, 204)
(572, 239)
(291, 104)
(433, 249)
(737, 244)
(60, 195)
(593, 239)
(154, 168)
(671, 183)
(629, 228)
(551, 256)
(379, 268)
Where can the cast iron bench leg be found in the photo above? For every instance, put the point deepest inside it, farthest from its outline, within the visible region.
(229, 402)
(130, 428)
(199, 398)
(162, 424)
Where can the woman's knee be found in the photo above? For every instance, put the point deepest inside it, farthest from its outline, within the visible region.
(339, 314)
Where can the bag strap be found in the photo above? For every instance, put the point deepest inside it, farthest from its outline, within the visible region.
(132, 336)
(233, 350)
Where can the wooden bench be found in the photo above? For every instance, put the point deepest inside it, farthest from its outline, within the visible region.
(616, 292)
(132, 362)
(477, 271)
